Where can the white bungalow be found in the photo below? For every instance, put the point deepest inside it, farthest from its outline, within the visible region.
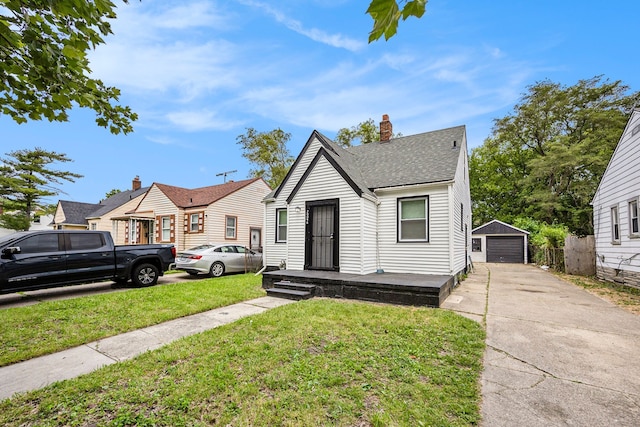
(399, 205)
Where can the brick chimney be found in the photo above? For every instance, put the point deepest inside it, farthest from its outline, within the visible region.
(386, 129)
(136, 184)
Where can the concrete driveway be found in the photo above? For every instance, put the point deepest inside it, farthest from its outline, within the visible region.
(556, 355)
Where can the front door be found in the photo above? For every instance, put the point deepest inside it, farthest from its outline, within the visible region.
(321, 246)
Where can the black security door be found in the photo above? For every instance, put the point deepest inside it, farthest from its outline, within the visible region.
(321, 248)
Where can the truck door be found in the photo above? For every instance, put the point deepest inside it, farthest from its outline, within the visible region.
(38, 260)
(89, 257)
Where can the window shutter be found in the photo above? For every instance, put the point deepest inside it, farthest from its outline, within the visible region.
(137, 232)
(126, 232)
(158, 229)
(201, 222)
(172, 221)
(186, 223)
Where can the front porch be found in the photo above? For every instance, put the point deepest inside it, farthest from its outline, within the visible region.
(393, 288)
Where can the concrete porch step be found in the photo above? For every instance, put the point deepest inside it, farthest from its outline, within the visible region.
(291, 290)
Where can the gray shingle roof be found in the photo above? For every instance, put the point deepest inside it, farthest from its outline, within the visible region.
(117, 200)
(77, 212)
(417, 159)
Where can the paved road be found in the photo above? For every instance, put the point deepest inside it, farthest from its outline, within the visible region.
(556, 355)
(67, 292)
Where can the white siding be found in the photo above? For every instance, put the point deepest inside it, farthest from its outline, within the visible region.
(431, 257)
(620, 183)
(368, 226)
(275, 253)
(461, 196)
(480, 256)
(324, 182)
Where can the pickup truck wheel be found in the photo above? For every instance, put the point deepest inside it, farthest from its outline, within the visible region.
(145, 275)
(217, 269)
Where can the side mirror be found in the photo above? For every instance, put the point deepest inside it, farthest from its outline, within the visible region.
(10, 250)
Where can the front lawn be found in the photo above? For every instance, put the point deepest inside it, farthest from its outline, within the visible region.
(48, 327)
(316, 362)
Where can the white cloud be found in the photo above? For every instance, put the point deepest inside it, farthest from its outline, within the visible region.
(193, 121)
(315, 34)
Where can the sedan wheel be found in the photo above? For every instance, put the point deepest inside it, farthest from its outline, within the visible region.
(217, 269)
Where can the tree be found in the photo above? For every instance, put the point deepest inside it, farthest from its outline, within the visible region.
(366, 132)
(44, 68)
(545, 159)
(112, 192)
(386, 15)
(268, 152)
(24, 180)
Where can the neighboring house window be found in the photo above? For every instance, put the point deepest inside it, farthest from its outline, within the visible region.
(166, 228)
(413, 219)
(94, 226)
(281, 225)
(634, 231)
(615, 225)
(476, 244)
(194, 222)
(231, 225)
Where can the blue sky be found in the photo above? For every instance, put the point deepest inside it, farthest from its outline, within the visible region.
(200, 72)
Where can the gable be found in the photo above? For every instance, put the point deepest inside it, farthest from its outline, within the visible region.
(498, 227)
(622, 171)
(322, 154)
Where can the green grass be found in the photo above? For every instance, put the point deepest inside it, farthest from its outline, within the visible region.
(313, 363)
(47, 327)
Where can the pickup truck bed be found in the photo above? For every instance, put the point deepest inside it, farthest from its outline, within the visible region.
(43, 259)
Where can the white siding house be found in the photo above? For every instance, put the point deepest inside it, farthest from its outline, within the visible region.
(399, 205)
(616, 212)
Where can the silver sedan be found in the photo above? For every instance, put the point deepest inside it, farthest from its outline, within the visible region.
(216, 260)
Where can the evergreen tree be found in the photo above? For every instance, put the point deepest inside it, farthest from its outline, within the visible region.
(24, 180)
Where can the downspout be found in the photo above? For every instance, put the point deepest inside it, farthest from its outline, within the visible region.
(452, 227)
(379, 269)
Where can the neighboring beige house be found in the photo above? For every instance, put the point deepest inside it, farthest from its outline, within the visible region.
(107, 215)
(229, 212)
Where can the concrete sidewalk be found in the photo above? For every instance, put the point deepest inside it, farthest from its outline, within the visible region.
(41, 371)
(556, 355)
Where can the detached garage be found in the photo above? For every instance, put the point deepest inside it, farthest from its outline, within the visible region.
(497, 241)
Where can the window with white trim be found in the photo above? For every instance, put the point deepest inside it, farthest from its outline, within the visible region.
(413, 219)
(615, 225)
(166, 229)
(193, 222)
(281, 225)
(231, 225)
(634, 230)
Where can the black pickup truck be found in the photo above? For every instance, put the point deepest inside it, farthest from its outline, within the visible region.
(44, 259)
